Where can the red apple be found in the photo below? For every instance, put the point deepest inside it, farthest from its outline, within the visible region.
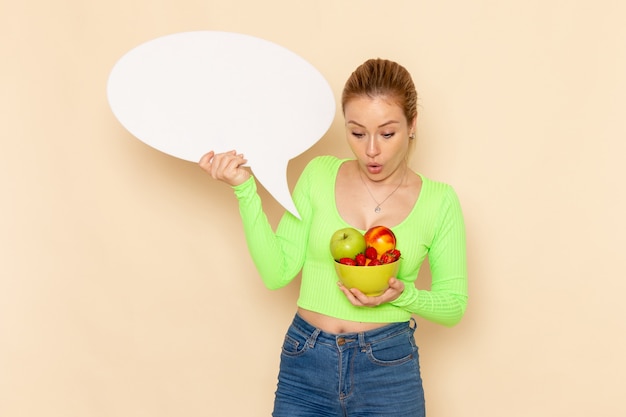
(380, 238)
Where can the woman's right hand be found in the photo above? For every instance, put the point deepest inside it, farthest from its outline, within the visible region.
(226, 167)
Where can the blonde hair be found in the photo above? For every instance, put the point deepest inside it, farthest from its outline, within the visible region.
(381, 77)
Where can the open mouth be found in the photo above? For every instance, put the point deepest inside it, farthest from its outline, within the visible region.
(374, 168)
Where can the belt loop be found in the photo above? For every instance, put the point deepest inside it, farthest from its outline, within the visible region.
(362, 343)
(313, 338)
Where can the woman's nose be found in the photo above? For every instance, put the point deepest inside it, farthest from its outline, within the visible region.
(372, 147)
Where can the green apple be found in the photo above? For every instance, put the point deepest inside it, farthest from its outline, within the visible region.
(346, 243)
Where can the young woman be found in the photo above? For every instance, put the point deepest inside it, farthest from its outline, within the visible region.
(347, 354)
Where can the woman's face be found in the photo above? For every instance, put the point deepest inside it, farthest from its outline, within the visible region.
(378, 134)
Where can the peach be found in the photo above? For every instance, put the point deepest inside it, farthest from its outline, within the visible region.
(380, 238)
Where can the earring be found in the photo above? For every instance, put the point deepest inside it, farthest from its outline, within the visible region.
(412, 136)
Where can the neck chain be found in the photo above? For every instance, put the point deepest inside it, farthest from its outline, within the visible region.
(377, 209)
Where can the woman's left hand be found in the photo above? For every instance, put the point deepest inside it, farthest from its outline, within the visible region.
(357, 298)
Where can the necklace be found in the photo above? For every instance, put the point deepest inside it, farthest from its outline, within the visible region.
(377, 209)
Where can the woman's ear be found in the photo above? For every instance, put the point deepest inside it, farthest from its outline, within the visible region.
(412, 127)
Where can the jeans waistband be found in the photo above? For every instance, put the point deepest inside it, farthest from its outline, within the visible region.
(363, 338)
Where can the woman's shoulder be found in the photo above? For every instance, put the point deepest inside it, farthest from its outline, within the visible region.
(436, 202)
(436, 192)
(435, 186)
(325, 162)
(324, 165)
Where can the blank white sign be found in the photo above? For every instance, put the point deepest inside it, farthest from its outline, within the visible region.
(188, 93)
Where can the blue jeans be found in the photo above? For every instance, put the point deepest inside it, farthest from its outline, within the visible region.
(373, 373)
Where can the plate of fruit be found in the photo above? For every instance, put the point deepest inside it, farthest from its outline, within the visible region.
(365, 261)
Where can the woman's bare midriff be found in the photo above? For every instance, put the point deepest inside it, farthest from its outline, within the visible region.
(335, 325)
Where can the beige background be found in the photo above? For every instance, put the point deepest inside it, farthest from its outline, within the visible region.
(125, 287)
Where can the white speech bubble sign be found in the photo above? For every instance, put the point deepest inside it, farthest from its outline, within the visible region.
(188, 93)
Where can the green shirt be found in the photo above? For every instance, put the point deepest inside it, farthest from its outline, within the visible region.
(434, 228)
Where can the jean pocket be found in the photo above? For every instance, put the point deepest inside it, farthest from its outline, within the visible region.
(395, 350)
(295, 343)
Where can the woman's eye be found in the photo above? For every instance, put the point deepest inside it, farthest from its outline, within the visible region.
(358, 135)
(388, 135)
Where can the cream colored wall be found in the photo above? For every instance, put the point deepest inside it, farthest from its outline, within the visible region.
(125, 286)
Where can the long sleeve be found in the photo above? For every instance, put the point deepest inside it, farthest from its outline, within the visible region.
(446, 301)
(433, 229)
(278, 256)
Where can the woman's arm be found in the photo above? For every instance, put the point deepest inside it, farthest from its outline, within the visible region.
(446, 300)
(278, 256)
